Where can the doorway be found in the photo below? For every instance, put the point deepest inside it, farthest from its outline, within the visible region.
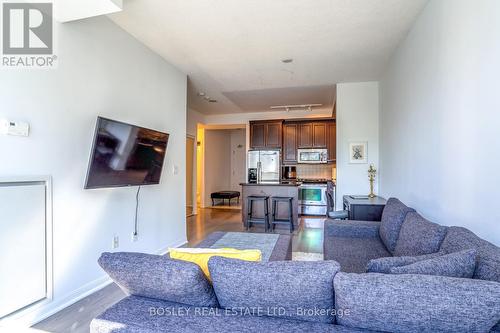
(190, 142)
(224, 164)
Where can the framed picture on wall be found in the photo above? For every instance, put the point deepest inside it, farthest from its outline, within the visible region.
(358, 152)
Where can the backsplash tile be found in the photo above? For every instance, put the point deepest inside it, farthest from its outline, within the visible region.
(314, 171)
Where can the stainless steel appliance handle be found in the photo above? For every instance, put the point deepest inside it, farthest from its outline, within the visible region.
(259, 172)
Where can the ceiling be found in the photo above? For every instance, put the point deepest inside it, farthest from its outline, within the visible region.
(72, 10)
(232, 49)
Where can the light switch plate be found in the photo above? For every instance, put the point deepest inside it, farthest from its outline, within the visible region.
(16, 128)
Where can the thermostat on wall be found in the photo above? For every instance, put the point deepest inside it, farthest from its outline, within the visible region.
(17, 128)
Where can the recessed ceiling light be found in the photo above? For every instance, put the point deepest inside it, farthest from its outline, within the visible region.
(287, 61)
(201, 93)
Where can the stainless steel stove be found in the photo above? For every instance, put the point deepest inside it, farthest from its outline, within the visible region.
(312, 196)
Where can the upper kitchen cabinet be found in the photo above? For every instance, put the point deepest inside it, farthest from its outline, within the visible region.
(273, 134)
(319, 135)
(305, 139)
(312, 134)
(290, 136)
(331, 131)
(265, 134)
(257, 135)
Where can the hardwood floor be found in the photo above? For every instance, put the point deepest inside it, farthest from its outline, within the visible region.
(307, 238)
(77, 317)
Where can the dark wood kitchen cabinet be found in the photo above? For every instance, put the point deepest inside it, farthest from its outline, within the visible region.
(290, 136)
(312, 135)
(257, 135)
(265, 134)
(319, 134)
(273, 134)
(295, 134)
(331, 144)
(305, 139)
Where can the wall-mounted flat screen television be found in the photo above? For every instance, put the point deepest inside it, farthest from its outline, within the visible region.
(125, 155)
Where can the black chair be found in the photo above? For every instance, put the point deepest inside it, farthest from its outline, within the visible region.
(250, 218)
(335, 214)
(289, 221)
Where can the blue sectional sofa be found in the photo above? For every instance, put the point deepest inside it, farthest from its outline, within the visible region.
(403, 234)
(453, 285)
(402, 238)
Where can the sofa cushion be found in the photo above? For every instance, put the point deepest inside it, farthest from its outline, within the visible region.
(384, 265)
(416, 303)
(351, 229)
(419, 236)
(393, 216)
(353, 254)
(488, 255)
(159, 277)
(459, 264)
(145, 315)
(281, 288)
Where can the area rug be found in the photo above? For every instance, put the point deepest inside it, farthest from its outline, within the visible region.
(307, 256)
(244, 241)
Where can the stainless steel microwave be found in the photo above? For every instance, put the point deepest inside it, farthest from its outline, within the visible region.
(312, 156)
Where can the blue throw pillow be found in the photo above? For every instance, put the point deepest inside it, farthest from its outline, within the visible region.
(291, 289)
(393, 216)
(419, 236)
(459, 264)
(384, 264)
(159, 277)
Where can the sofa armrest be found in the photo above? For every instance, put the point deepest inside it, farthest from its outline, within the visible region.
(351, 228)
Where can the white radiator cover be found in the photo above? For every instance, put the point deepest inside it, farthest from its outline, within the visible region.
(24, 254)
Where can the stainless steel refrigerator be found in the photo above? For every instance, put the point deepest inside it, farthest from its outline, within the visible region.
(267, 163)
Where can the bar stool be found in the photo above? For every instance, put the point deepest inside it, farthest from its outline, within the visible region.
(289, 221)
(332, 213)
(250, 218)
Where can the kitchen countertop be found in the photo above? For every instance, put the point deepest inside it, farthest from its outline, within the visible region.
(280, 183)
(286, 183)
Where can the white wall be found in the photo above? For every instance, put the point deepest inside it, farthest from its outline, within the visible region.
(238, 158)
(102, 71)
(440, 116)
(357, 120)
(217, 162)
(225, 161)
(193, 119)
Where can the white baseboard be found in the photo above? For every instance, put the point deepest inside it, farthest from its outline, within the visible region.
(164, 250)
(46, 308)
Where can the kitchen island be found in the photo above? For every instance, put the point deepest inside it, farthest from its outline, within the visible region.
(271, 189)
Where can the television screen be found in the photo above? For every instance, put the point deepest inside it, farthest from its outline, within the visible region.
(125, 155)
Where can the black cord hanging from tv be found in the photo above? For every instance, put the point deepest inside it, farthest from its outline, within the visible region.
(136, 209)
